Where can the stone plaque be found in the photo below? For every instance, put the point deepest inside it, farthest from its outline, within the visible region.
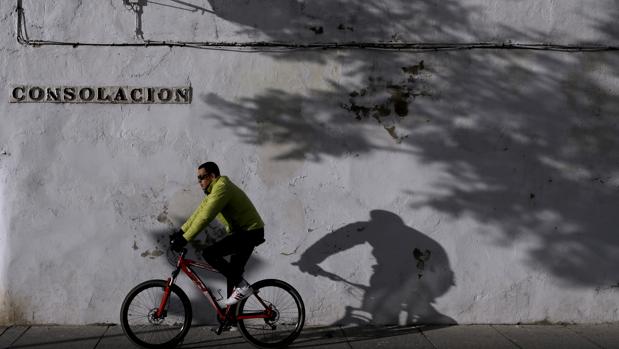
(102, 94)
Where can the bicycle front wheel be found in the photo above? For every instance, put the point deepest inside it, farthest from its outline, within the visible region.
(286, 323)
(140, 322)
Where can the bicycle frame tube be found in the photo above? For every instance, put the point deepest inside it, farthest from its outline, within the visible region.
(186, 265)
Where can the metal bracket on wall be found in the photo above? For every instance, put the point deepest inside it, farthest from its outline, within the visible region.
(137, 6)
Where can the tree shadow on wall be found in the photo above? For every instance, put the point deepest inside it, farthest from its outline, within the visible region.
(527, 142)
(411, 271)
(345, 20)
(282, 120)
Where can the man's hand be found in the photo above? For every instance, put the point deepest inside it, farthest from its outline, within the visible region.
(177, 241)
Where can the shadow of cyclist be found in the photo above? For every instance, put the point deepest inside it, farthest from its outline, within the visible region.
(411, 271)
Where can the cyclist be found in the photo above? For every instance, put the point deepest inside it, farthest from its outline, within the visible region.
(231, 206)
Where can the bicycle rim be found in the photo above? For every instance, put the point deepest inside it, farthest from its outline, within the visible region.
(288, 319)
(140, 323)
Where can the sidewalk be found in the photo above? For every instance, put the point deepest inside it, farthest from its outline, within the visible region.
(461, 337)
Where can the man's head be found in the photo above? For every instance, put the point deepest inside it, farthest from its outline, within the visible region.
(206, 173)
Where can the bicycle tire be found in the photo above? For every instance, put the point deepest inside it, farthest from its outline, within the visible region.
(285, 300)
(140, 304)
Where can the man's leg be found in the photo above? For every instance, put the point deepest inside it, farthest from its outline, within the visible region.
(237, 267)
(214, 254)
(238, 260)
(239, 243)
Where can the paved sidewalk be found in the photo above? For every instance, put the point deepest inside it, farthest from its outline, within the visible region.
(461, 337)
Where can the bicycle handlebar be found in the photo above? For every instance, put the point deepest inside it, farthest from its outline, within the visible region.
(173, 256)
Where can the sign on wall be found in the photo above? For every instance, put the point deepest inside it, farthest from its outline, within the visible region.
(103, 94)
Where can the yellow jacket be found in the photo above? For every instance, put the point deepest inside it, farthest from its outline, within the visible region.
(229, 204)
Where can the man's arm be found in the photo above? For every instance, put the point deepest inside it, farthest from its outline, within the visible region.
(192, 218)
(207, 211)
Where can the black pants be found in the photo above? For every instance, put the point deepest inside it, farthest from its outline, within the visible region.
(239, 246)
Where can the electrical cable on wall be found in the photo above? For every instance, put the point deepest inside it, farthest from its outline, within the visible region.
(22, 38)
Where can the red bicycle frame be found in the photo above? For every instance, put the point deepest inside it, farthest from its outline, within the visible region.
(185, 265)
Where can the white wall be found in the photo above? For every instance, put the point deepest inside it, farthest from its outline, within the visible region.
(504, 167)
(4, 243)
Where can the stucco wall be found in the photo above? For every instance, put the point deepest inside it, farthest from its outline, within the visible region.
(496, 168)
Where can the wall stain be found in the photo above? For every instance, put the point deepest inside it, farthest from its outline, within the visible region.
(544, 322)
(163, 216)
(392, 132)
(421, 258)
(606, 288)
(290, 253)
(13, 310)
(601, 179)
(317, 30)
(135, 245)
(345, 27)
(380, 98)
(152, 254)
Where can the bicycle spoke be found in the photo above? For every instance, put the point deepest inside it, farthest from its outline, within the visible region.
(140, 316)
(286, 323)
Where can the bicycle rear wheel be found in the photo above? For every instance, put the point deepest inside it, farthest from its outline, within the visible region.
(288, 314)
(139, 321)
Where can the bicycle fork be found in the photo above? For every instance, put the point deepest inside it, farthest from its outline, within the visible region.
(161, 311)
(163, 306)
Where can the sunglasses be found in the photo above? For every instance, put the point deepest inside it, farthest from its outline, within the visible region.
(203, 177)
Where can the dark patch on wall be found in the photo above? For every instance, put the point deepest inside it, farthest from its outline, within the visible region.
(543, 322)
(600, 179)
(135, 245)
(163, 216)
(421, 258)
(317, 30)
(607, 288)
(15, 310)
(381, 98)
(345, 27)
(414, 69)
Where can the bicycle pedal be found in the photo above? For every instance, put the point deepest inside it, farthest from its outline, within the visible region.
(217, 330)
(220, 329)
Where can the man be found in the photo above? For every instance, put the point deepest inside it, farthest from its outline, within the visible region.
(229, 204)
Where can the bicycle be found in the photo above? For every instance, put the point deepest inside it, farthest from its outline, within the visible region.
(157, 313)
